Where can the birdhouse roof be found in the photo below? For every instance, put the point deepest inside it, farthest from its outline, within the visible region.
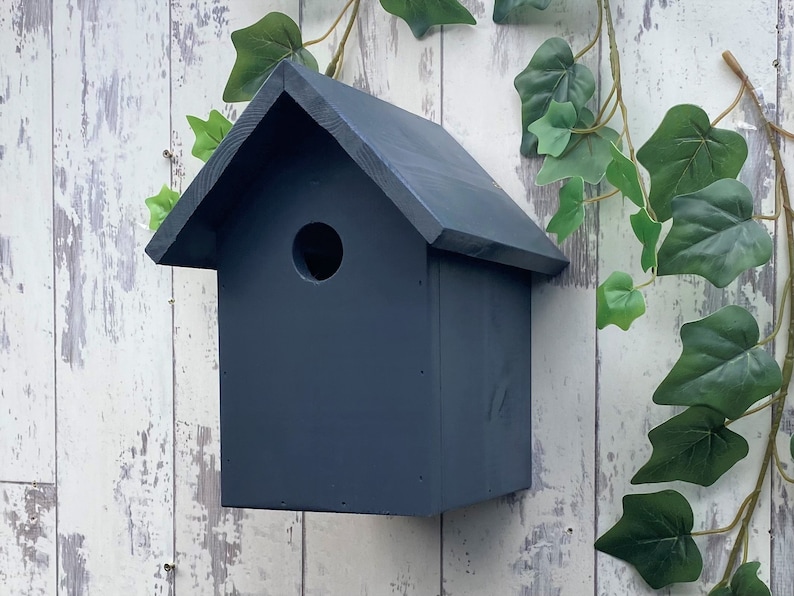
(439, 188)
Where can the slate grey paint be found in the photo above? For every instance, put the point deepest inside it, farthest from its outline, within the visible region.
(438, 187)
(398, 384)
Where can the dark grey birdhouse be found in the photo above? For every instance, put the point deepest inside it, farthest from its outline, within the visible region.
(373, 306)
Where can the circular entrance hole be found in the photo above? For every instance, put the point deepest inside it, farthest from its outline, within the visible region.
(317, 251)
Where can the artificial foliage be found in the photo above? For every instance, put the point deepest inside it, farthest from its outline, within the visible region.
(685, 172)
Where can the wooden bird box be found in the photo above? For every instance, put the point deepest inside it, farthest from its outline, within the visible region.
(373, 306)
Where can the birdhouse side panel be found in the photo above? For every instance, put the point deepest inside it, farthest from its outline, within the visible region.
(327, 395)
(485, 375)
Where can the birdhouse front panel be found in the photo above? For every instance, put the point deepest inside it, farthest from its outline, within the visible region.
(329, 388)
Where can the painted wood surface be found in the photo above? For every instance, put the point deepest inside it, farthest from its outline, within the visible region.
(27, 421)
(109, 443)
(114, 397)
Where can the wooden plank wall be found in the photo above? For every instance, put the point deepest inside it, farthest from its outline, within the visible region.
(109, 446)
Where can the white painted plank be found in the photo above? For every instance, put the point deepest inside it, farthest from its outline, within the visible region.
(632, 364)
(114, 369)
(27, 421)
(540, 541)
(363, 554)
(219, 550)
(782, 572)
(27, 539)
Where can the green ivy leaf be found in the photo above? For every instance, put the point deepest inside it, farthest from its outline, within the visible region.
(503, 8)
(554, 128)
(745, 582)
(551, 74)
(260, 48)
(617, 302)
(654, 535)
(647, 232)
(587, 155)
(160, 206)
(622, 174)
(714, 234)
(686, 154)
(570, 215)
(209, 133)
(423, 14)
(693, 447)
(721, 366)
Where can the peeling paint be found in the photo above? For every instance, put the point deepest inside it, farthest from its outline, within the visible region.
(74, 573)
(68, 255)
(5, 340)
(29, 530)
(6, 264)
(223, 545)
(30, 16)
(543, 552)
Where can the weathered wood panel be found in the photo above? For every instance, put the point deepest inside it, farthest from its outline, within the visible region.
(137, 439)
(114, 369)
(27, 539)
(218, 550)
(632, 364)
(537, 542)
(27, 414)
(782, 572)
(363, 554)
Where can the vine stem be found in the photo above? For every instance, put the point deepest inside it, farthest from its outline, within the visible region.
(597, 35)
(331, 28)
(739, 548)
(780, 469)
(600, 198)
(760, 408)
(614, 63)
(335, 64)
(782, 308)
(730, 526)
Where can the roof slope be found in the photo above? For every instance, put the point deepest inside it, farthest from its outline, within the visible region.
(439, 188)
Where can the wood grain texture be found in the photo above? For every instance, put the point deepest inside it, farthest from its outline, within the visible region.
(632, 364)
(219, 550)
(27, 413)
(137, 400)
(114, 402)
(27, 539)
(782, 571)
(538, 542)
(360, 554)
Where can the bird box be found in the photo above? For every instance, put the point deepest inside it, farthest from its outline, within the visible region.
(373, 306)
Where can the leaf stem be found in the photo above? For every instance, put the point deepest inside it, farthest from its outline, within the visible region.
(779, 466)
(333, 26)
(731, 107)
(730, 526)
(739, 547)
(336, 62)
(760, 408)
(649, 282)
(783, 131)
(606, 103)
(601, 123)
(778, 204)
(597, 35)
(614, 62)
(782, 308)
(602, 197)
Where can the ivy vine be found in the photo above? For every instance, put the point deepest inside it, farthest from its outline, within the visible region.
(691, 167)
